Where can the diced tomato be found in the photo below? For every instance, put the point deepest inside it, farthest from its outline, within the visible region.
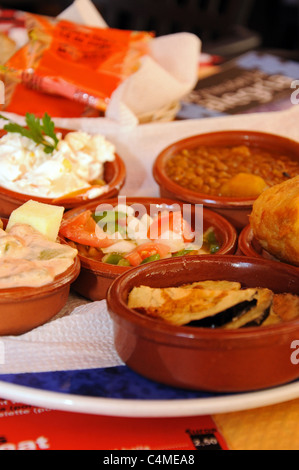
(134, 258)
(170, 221)
(84, 230)
(145, 250)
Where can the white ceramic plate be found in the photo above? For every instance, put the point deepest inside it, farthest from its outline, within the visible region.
(147, 408)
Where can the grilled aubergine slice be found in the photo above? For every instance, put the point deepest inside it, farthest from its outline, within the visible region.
(214, 304)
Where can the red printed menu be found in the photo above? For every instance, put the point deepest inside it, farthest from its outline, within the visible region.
(24, 427)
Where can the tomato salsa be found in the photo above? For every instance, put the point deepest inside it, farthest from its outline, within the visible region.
(119, 237)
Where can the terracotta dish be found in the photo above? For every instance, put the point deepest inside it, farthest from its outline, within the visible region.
(249, 246)
(25, 308)
(95, 276)
(210, 359)
(234, 209)
(114, 175)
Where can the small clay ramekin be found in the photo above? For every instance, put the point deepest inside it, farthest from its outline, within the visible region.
(114, 175)
(248, 245)
(210, 359)
(95, 277)
(25, 308)
(235, 210)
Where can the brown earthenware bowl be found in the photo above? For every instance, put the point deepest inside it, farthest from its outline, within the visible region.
(249, 246)
(211, 359)
(95, 276)
(25, 308)
(114, 175)
(235, 210)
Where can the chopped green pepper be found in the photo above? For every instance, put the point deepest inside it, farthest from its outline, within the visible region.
(123, 262)
(112, 258)
(108, 221)
(182, 252)
(113, 227)
(105, 217)
(209, 236)
(214, 248)
(154, 257)
(210, 241)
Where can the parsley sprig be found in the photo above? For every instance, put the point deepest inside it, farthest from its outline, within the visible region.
(38, 130)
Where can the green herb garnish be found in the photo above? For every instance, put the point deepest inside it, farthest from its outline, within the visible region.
(38, 130)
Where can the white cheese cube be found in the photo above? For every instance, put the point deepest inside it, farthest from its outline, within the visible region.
(42, 217)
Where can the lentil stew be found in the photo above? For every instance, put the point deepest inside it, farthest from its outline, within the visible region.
(210, 169)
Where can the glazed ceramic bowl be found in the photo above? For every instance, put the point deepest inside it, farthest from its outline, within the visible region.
(249, 246)
(210, 359)
(235, 210)
(114, 175)
(25, 308)
(95, 276)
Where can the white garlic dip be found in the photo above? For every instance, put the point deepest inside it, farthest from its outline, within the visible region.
(76, 163)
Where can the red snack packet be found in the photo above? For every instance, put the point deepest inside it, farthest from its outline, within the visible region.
(81, 63)
(23, 99)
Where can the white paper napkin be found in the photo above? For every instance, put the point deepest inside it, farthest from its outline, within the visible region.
(83, 12)
(81, 340)
(139, 146)
(83, 337)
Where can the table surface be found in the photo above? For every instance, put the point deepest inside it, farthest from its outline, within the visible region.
(274, 427)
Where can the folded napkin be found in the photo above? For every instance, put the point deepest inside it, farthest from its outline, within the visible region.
(83, 12)
(81, 335)
(82, 339)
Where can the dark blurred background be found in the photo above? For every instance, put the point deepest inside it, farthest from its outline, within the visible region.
(227, 27)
